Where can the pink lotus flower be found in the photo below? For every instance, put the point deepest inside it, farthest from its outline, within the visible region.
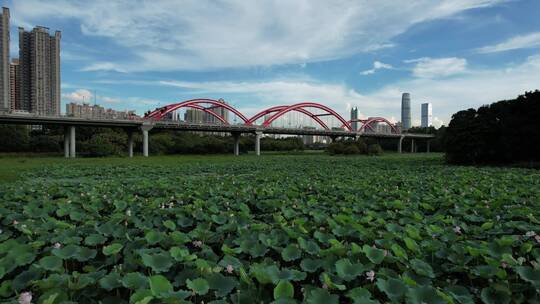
(197, 244)
(370, 275)
(457, 230)
(57, 245)
(15, 222)
(324, 286)
(537, 238)
(504, 265)
(230, 269)
(25, 298)
(530, 234)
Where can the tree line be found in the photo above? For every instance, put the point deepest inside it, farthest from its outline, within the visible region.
(502, 132)
(96, 142)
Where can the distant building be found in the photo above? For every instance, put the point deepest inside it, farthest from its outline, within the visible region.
(426, 115)
(308, 139)
(198, 116)
(193, 116)
(15, 85)
(354, 118)
(39, 56)
(97, 112)
(406, 111)
(5, 103)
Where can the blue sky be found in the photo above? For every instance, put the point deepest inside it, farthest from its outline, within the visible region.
(138, 55)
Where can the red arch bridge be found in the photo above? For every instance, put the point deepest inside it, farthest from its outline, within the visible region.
(261, 123)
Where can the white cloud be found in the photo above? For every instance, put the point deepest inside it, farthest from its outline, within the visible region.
(518, 42)
(377, 65)
(78, 96)
(104, 66)
(438, 67)
(202, 34)
(471, 89)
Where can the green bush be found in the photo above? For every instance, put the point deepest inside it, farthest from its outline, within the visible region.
(348, 147)
(374, 149)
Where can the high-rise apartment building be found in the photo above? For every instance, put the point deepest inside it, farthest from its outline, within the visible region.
(406, 111)
(354, 118)
(39, 56)
(97, 112)
(426, 115)
(5, 103)
(15, 85)
(199, 116)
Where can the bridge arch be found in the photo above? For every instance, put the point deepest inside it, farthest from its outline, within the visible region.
(366, 123)
(279, 108)
(300, 107)
(159, 113)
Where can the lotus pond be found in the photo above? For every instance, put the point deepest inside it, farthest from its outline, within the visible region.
(289, 229)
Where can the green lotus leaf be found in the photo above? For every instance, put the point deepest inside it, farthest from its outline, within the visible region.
(199, 286)
(309, 246)
(399, 251)
(169, 224)
(393, 288)
(360, 295)
(51, 263)
(495, 295)
(422, 268)
(310, 265)
(219, 219)
(321, 296)
(66, 252)
(81, 281)
(375, 255)
(530, 275)
(112, 249)
(258, 250)
(222, 284)
(85, 254)
(153, 237)
(94, 239)
(160, 286)
(135, 281)
(290, 253)
(140, 296)
(348, 271)
(485, 271)
(110, 281)
(424, 294)
(160, 262)
(5, 289)
(411, 244)
(460, 294)
(181, 254)
(284, 290)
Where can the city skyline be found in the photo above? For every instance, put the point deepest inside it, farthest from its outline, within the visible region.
(467, 67)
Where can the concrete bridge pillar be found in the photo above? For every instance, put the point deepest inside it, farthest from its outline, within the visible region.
(130, 143)
(400, 143)
(258, 135)
(236, 137)
(145, 129)
(72, 152)
(427, 146)
(66, 142)
(412, 145)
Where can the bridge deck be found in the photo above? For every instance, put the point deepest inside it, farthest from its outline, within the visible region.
(183, 126)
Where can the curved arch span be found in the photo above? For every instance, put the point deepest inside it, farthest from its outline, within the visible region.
(158, 114)
(279, 108)
(306, 105)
